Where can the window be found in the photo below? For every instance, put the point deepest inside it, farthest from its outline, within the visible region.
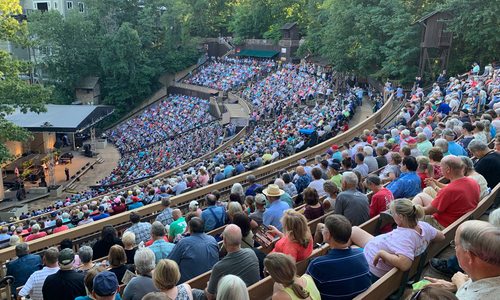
(55, 5)
(69, 4)
(81, 7)
(43, 6)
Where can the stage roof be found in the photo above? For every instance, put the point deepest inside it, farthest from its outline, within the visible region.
(61, 118)
(258, 53)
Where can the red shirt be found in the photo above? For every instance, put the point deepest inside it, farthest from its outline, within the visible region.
(380, 202)
(119, 209)
(150, 242)
(35, 236)
(455, 200)
(422, 176)
(59, 229)
(295, 250)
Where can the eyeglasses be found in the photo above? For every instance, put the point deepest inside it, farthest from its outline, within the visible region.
(452, 244)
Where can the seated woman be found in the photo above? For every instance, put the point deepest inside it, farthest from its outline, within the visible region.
(399, 247)
(332, 190)
(296, 240)
(313, 209)
(392, 170)
(166, 276)
(435, 156)
(287, 284)
(117, 259)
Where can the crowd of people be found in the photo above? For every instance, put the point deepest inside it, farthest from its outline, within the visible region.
(228, 73)
(400, 166)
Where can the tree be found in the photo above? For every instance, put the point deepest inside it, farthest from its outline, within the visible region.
(14, 92)
(476, 36)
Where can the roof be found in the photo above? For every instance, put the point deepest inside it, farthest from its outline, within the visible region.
(258, 53)
(65, 118)
(288, 26)
(427, 16)
(88, 83)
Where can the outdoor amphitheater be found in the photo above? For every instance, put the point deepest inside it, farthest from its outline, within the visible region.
(247, 176)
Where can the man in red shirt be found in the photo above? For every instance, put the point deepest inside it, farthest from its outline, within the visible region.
(381, 197)
(59, 226)
(459, 197)
(35, 233)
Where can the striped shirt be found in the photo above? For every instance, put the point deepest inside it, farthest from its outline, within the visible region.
(33, 286)
(142, 231)
(341, 273)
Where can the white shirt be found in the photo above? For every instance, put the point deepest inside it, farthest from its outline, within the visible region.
(33, 286)
(318, 186)
(483, 289)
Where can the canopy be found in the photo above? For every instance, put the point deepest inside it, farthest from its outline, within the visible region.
(258, 53)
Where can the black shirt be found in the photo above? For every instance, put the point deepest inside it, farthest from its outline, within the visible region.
(101, 247)
(64, 285)
(130, 255)
(489, 167)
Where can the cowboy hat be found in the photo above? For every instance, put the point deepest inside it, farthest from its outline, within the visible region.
(273, 190)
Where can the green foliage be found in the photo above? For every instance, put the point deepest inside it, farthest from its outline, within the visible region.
(14, 92)
(126, 44)
(476, 35)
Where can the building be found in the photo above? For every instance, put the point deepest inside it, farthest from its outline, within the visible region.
(62, 6)
(88, 91)
(49, 128)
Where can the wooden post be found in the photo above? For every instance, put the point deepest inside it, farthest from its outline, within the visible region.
(2, 192)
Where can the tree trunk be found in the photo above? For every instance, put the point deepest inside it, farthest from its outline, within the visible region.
(2, 192)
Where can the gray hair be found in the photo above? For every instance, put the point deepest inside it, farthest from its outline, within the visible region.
(469, 165)
(477, 145)
(442, 143)
(482, 239)
(128, 238)
(35, 228)
(368, 150)
(280, 183)
(144, 261)
(237, 188)
(232, 287)
(494, 218)
(85, 253)
(350, 179)
(157, 229)
(22, 249)
(422, 136)
(251, 178)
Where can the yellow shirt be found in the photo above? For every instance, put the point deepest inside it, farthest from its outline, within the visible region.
(310, 287)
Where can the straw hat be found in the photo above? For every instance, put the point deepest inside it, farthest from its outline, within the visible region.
(273, 190)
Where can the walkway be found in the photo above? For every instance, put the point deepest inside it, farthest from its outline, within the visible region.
(362, 112)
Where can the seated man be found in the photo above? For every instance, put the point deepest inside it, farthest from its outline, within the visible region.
(408, 184)
(213, 216)
(240, 262)
(352, 274)
(477, 245)
(351, 203)
(22, 267)
(459, 197)
(196, 253)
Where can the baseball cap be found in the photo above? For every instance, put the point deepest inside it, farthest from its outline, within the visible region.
(193, 204)
(66, 256)
(465, 110)
(105, 284)
(329, 151)
(302, 161)
(260, 199)
(335, 147)
(335, 166)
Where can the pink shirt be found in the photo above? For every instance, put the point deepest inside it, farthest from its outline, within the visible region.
(400, 241)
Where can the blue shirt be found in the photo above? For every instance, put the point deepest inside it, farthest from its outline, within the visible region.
(302, 182)
(195, 254)
(219, 177)
(240, 168)
(407, 185)
(228, 171)
(444, 108)
(351, 275)
(22, 268)
(213, 217)
(100, 216)
(135, 205)
(273, 214)
(161, 249)
(456, 149)
(251, 189)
